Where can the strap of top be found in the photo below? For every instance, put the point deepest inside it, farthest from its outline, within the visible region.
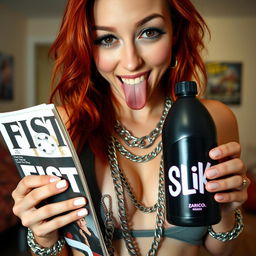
(87, 161)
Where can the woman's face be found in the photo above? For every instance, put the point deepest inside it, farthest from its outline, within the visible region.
(132, 47)
(81, 222)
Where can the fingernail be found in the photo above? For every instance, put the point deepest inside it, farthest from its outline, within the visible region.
(213, 185)
(82, 213)
(219, 197)
(79, 201)
(61, 184)
(211, 173)
(215, 153)
(54, 178)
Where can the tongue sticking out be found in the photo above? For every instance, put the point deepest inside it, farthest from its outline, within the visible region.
(135, 94)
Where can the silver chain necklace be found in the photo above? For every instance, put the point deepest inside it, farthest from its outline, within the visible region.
(135, 158)
(119, 189)
(143, 142)
(134, 200)
(157, 131)
(120, 182)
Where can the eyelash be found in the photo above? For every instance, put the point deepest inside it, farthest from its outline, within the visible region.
(100, 41)
(158, 32)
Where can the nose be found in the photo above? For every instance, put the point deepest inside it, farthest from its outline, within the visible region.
(131, 58)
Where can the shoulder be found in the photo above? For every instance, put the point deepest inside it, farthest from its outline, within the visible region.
(225, 120)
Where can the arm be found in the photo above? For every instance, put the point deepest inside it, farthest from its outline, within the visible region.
(230, 172)
(84, 236)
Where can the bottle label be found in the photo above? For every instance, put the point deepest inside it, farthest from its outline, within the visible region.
(197, 206)
(187, 180)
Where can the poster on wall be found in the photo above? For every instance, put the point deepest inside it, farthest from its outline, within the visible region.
(224, 81)
(6, 77)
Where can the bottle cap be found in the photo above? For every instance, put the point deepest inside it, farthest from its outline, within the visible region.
(185, 88)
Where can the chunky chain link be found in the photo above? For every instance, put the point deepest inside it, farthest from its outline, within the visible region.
(109, 222)
(145, 141)
(119, 189)
(38, 250)
(234, 233)
(136, 203)
(135, 158)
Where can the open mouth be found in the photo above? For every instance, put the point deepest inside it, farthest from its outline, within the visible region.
(135, 89)
(133, 81)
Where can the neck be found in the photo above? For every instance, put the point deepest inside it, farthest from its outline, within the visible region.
(149, 114)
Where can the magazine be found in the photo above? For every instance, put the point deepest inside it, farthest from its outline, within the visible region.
(39, 144)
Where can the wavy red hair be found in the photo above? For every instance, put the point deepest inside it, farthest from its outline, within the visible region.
(85, 94)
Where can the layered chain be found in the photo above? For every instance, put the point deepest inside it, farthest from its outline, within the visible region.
(121, 183)
(119, 189)
(145, 141)
(135, 158)
(135, 202)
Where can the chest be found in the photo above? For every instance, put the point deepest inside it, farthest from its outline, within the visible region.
(136, 182)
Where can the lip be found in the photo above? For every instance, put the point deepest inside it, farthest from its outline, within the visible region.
(135, 75)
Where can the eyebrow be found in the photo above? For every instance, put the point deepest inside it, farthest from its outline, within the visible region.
(138, 24)
(148, 18)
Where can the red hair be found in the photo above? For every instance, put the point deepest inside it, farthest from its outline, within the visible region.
(86, 95)
(189, 31)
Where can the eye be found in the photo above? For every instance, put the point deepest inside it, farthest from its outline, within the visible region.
(106, 41)
(151, 33)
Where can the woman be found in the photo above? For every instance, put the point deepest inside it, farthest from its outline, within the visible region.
(119, 60)
(83, 230)
(88, 235)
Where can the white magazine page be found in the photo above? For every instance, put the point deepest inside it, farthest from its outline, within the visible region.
(33, 132)
(38, 144)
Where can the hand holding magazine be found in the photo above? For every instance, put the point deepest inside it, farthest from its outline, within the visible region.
(40, 145)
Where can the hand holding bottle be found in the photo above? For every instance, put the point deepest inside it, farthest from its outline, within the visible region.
(228, 178)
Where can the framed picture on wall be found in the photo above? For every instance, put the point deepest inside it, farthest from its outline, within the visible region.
(224, 81)
(6, 77)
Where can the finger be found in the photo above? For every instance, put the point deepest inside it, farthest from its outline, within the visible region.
(231, 149)
(30, 182)
(232, 182)
(231, 197)
(37, 195)
(58, 222)
(233, 166)
(48, 211)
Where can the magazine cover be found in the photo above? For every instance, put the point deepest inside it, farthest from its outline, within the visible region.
(39, 144)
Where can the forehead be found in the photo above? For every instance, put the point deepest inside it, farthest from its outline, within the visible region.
(118, 11)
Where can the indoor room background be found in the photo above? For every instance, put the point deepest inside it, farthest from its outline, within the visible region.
(27, 33)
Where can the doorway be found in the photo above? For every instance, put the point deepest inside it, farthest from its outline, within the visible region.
(43, 66)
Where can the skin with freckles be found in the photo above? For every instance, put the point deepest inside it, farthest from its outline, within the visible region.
(132, 47)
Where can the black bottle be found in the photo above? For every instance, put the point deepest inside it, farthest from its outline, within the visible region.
(188, 135)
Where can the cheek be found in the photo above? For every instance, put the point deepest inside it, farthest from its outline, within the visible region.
(161, 54)
(105, 62)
